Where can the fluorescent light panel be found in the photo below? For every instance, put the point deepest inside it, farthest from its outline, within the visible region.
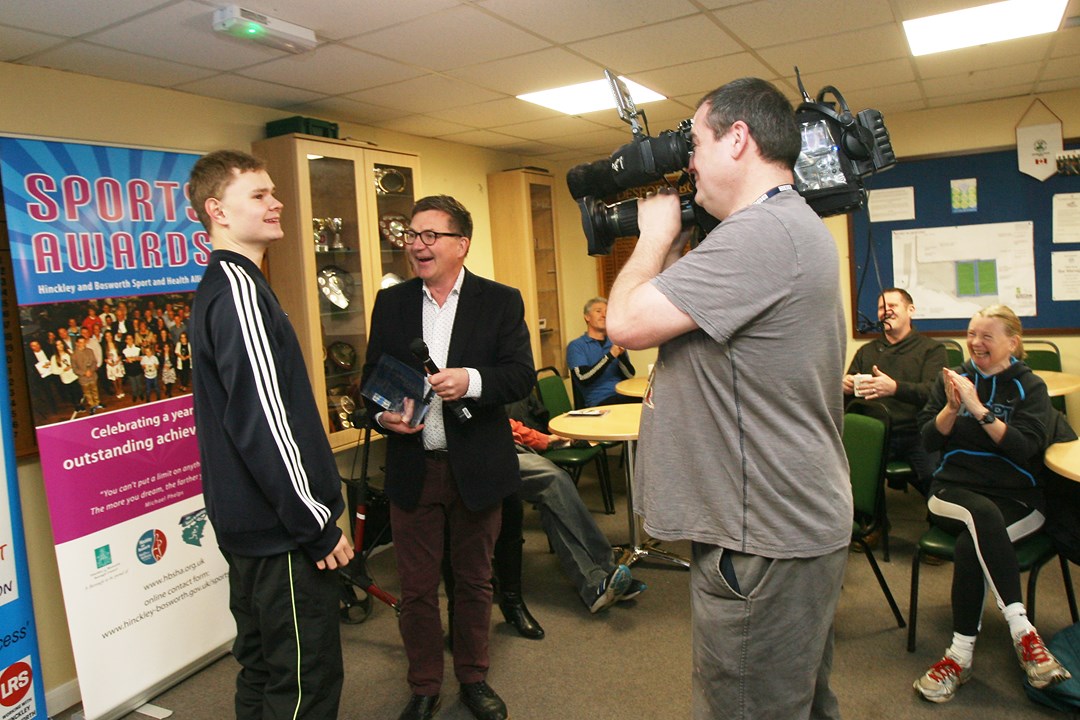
(588, 97)
(985, 24)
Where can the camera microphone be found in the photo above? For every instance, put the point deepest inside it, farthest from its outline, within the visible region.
(419, 348)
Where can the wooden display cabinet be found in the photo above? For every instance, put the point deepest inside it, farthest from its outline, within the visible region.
(525, 251)
(346, 206)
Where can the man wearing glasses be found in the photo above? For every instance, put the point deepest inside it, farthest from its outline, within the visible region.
(454, 469)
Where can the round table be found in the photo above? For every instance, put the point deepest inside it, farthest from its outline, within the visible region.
(619, 423)
(633, 387)
(1064, 459)
(1057, 383)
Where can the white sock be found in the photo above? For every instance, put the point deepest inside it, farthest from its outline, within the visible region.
(1016, 616)
(962, 649)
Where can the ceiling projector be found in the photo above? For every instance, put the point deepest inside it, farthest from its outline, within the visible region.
(243, 23)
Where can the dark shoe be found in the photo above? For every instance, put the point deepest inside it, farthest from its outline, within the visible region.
(517, 614)
(931, 559)
(635, 588)
(420, 707)
(482, 701)
(614, 585)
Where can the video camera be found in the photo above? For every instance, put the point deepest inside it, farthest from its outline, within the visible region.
(838, 150)
(643, 161)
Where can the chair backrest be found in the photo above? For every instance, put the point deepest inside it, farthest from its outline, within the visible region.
(955, 351)
(1042, 355)
(866, 443)
(553, 391)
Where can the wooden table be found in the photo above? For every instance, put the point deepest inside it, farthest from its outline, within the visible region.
(1057, 383)
(619, 423)
(1064, 459)
(633, 387)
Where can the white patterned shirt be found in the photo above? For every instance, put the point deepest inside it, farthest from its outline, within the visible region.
(438, 325)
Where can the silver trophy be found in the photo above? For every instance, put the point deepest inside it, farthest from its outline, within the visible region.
(321, 236)
(334, 225)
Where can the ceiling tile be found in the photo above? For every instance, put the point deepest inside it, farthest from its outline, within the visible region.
(658, 46)
(1066, 42)
(65, 17)
(541, 70)
(847, 80)
(979, 95)
(851, 49)
(336, 19)
(189, 39)
(427, 94)
(82, 57)
(16, 43)
(350, 110)
(996, 55)
(701, 77)
(422, 125)
(886, 99)
(532, 147)
(980, 80)
(333, 70)
(547, 129)
(563, 21)
(761, 24)
(451, 38)
(498, 112)
(481, 138)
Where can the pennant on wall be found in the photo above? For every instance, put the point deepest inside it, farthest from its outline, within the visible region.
(1038, 141)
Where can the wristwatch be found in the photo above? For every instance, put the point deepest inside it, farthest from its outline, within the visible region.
(988, 419)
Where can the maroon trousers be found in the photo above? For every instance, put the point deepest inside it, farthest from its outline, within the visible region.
(418, 542)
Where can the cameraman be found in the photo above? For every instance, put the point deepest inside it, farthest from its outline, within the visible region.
(739, 447)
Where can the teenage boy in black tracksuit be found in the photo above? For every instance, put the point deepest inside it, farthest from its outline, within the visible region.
(271, 484)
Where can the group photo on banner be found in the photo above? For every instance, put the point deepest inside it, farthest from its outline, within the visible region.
(107, 253)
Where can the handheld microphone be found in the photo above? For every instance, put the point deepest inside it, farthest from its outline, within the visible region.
(419, 348)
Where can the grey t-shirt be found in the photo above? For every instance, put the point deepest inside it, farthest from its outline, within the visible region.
(740, 440)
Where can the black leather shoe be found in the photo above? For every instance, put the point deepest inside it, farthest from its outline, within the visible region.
(482, 701)
(517, 614)
(420, 707)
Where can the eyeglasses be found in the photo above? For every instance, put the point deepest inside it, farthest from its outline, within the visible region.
(428, 237)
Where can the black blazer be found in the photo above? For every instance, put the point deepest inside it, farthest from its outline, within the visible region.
(489, 335)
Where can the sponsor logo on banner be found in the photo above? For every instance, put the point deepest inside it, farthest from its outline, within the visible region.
(151, 547)
(17, 691)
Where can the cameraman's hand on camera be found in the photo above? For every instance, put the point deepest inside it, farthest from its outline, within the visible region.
(660, 224)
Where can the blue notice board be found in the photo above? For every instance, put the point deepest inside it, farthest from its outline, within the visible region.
(1004, 195)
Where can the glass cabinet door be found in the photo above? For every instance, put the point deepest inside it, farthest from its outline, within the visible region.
(394, 187)
(547, 279)
(335, 235)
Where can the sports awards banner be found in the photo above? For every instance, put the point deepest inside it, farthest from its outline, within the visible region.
(107, 254)
(22, 694)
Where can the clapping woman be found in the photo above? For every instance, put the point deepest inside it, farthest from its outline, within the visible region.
(987, 418)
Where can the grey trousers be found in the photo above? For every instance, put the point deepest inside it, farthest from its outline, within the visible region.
(583, 550)
(766, 652)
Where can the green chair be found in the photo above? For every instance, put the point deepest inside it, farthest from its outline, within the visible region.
(866, 443)
(552, 390)
(1032, 553)
(1045, 355)
(955, 351)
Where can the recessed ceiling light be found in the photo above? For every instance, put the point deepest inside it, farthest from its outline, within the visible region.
(985, 24)
(588, 97)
